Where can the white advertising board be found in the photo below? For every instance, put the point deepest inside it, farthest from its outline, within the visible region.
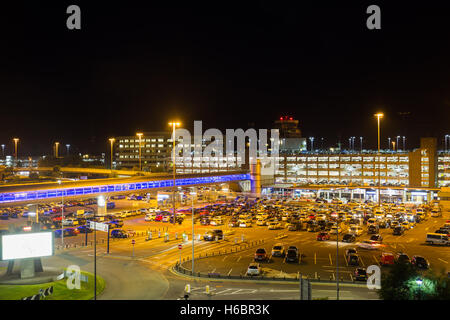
(27, 245)
(98, 226)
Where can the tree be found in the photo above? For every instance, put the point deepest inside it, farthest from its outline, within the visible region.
(397, 283)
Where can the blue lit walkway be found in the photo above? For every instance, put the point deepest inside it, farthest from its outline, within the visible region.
(57, 192)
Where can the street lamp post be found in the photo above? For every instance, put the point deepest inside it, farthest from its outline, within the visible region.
(379, 115)
(404, 143)
(56, 149)
(312, 143)
(446, 137)
(361, 139)
(140, 144)
(62, 216)
(174, 125)
(193, 194)
(111, 140)
(393, 146)
(398, 137)
(3, 150)
(389, 144)
(68, 147)
(16, 140)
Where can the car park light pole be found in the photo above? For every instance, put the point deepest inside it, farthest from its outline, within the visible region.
(174, 125)
(16, 140)
(379, 115)
(337, 261)
(193, 194)
(62, 215)
(111, 140)
(140, 146)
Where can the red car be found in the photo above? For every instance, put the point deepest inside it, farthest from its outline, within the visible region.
(159, 217)
(322, 236)
(261, 255)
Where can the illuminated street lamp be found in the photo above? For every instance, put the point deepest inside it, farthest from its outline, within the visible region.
(111, 140)
(389, 143)
(393, 146)
(193, 194)
(361, 139)
(3, 150)
(379, 115)
(56, 149)
(62, 215)
(68, 147)
(312, 143)
(173, 125)
(419, 282)
(140, 144)
(16, 140)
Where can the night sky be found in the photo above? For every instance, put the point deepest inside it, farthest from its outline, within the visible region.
(134, 66)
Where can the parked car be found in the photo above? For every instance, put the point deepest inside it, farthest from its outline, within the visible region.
(274, 225)
(349, 237)
(261, 255)
(119, 233)
(278, 250)
(353, 260)
(387, 258)
(292, 255)
(84, 229)
(322, 236)
(437, 238)
(420, 262)
(212, 234)
(253, 269)
(377, 238)
(398, 231)
(373, 229)
(402, 257)
(360, 274)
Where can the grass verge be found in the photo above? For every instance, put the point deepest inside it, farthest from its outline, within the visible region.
(60, 290)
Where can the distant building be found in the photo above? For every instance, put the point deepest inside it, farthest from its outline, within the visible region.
(156, 148)
(291, 140)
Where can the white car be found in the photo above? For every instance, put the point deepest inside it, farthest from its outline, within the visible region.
(70, 222)
(216, 222)
(356, 230)
(370, 245)
(261, 222)
(150, 217)
(335, 230)
(254, 269)
(152, 210)
(245, 223)
(274, 226)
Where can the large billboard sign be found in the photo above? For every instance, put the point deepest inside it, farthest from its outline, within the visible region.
(27, 245)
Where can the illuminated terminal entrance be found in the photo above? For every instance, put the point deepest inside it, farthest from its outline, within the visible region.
(359, 194)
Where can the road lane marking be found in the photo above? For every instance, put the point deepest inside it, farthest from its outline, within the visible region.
(442, 260)
(239, 259)
(331, 261)
(362, 262)
(376, 260)
(229, 272)
(315, 259)
(224, 258)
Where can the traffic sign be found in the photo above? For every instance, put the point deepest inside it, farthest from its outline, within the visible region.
(180, 246)
(133, 242)
(98, 226)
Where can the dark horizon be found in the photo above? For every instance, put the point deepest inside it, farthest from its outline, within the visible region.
(135, 67)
